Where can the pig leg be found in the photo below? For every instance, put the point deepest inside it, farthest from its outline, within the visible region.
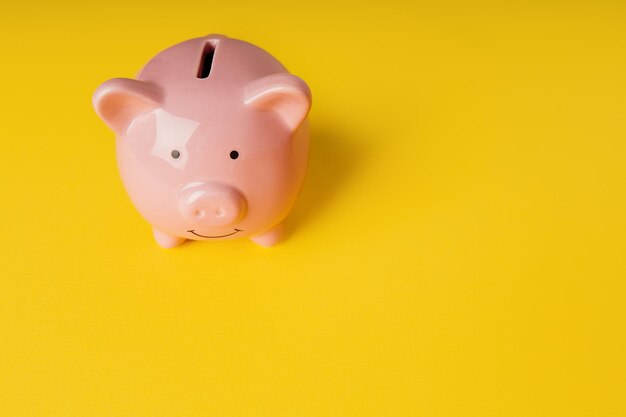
(271, 237)
(167, 241)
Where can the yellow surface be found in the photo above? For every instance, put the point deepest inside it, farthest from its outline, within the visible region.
(458, 249)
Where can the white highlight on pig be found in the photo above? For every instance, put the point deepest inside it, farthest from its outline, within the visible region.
(172, 133)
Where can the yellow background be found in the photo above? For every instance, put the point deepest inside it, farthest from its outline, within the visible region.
(458, 249)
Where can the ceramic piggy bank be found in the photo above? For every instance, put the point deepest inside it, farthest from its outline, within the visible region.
(212, 140)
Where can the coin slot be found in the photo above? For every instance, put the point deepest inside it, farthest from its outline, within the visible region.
(207, 60)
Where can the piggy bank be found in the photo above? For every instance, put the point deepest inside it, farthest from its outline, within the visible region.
(212, 140)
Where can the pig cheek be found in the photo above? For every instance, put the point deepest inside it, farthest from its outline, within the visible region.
(141, 138)
(148, 180)
(267, 187)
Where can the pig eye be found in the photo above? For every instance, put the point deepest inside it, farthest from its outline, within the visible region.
(175, 154)
(234, 155)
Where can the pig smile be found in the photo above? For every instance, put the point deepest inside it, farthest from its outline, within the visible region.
(214, 237)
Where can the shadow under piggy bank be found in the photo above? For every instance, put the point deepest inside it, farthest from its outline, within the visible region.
(333, 158)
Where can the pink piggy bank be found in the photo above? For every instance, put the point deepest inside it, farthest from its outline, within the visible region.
(212, 140)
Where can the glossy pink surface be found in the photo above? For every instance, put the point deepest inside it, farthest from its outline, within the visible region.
(212, 140)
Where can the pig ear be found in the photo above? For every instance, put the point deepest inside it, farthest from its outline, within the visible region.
(120, 100)
(285, 94)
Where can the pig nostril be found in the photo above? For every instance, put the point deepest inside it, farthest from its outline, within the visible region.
(198, 213)
(219, 212)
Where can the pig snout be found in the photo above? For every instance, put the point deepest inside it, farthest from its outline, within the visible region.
(211, 205)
